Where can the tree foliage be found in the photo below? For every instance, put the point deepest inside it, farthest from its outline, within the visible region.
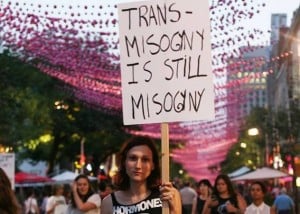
(41, 121)
(275, 128)
(249, 150)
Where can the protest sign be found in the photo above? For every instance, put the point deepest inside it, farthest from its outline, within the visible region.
(7, 163)
(165, 61)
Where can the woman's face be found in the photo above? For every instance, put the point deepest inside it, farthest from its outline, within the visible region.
(82, 186)
(60, 190)
(256, 192)
(221, 186)
(139, 163)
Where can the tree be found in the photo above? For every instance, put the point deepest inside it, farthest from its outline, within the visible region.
(24, 107)
(249, 150)
(41, 121)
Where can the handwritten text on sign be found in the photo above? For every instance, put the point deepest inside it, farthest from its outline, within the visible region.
(166, 61)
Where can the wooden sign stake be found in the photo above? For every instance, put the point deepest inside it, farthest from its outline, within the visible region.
(165, 161)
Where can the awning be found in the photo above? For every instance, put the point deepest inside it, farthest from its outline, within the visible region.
(239, 172)
(261, 174)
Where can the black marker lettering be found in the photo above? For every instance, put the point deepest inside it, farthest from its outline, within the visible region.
(166, 100)
(171, 68)
(132, 72)
(157, 103)
(174, 11)
(129, 15)
(148, 71)
(138, 104)
(142, 15)
(202, 37)
(162, 15)
(152, 16)
(132, 45)
(193, 100)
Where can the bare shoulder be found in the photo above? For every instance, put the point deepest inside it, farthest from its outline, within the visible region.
(106, 205)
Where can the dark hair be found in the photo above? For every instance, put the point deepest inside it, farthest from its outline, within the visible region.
(228, 183)
(204, 182)
(84, 198)
(262, 186)
(8, 200)
(186, 184)
(122, 179)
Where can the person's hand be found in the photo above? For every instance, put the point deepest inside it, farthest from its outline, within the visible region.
(74, 187)
(166, 191)
(230, 207)
(169, 194)
(212, 201)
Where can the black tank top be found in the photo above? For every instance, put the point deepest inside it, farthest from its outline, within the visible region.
(152, 205)
(200, 205)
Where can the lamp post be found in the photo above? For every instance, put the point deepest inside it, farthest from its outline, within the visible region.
(254, 132)
(82, 156)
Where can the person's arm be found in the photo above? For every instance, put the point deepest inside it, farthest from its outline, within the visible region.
(36, 207)
(50, 206)
(241, 207)
(106, 205)
(242, 204)
(273, 209)
(82, 206)
(171, 195)
(207, 206)
(194, 208)
(293, 206)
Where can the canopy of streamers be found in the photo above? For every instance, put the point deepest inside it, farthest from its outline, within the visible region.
(77, 42)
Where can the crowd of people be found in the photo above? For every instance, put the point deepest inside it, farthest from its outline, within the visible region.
(224, 198)
(138, 189)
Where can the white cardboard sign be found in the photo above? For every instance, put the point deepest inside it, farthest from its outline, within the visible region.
(7, 163)
(166, 61)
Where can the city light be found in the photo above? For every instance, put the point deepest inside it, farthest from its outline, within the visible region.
(253, 132)
(243, 145)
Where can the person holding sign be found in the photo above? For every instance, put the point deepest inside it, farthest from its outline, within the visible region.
(138, 185)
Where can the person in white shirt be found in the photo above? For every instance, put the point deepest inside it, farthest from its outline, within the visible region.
(258, 206)
(57, 201)
(187, 194)
(31, 204)
(83, 198)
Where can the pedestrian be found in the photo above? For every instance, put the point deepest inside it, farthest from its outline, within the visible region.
(204, 188)
(83, 198)
(224, 199)
(31, 204)
(8, 200)
(283, 203)
(257, 193)
(56, 203)
(138, 185)
(45, 196)
(105, 189)
(187, 194)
